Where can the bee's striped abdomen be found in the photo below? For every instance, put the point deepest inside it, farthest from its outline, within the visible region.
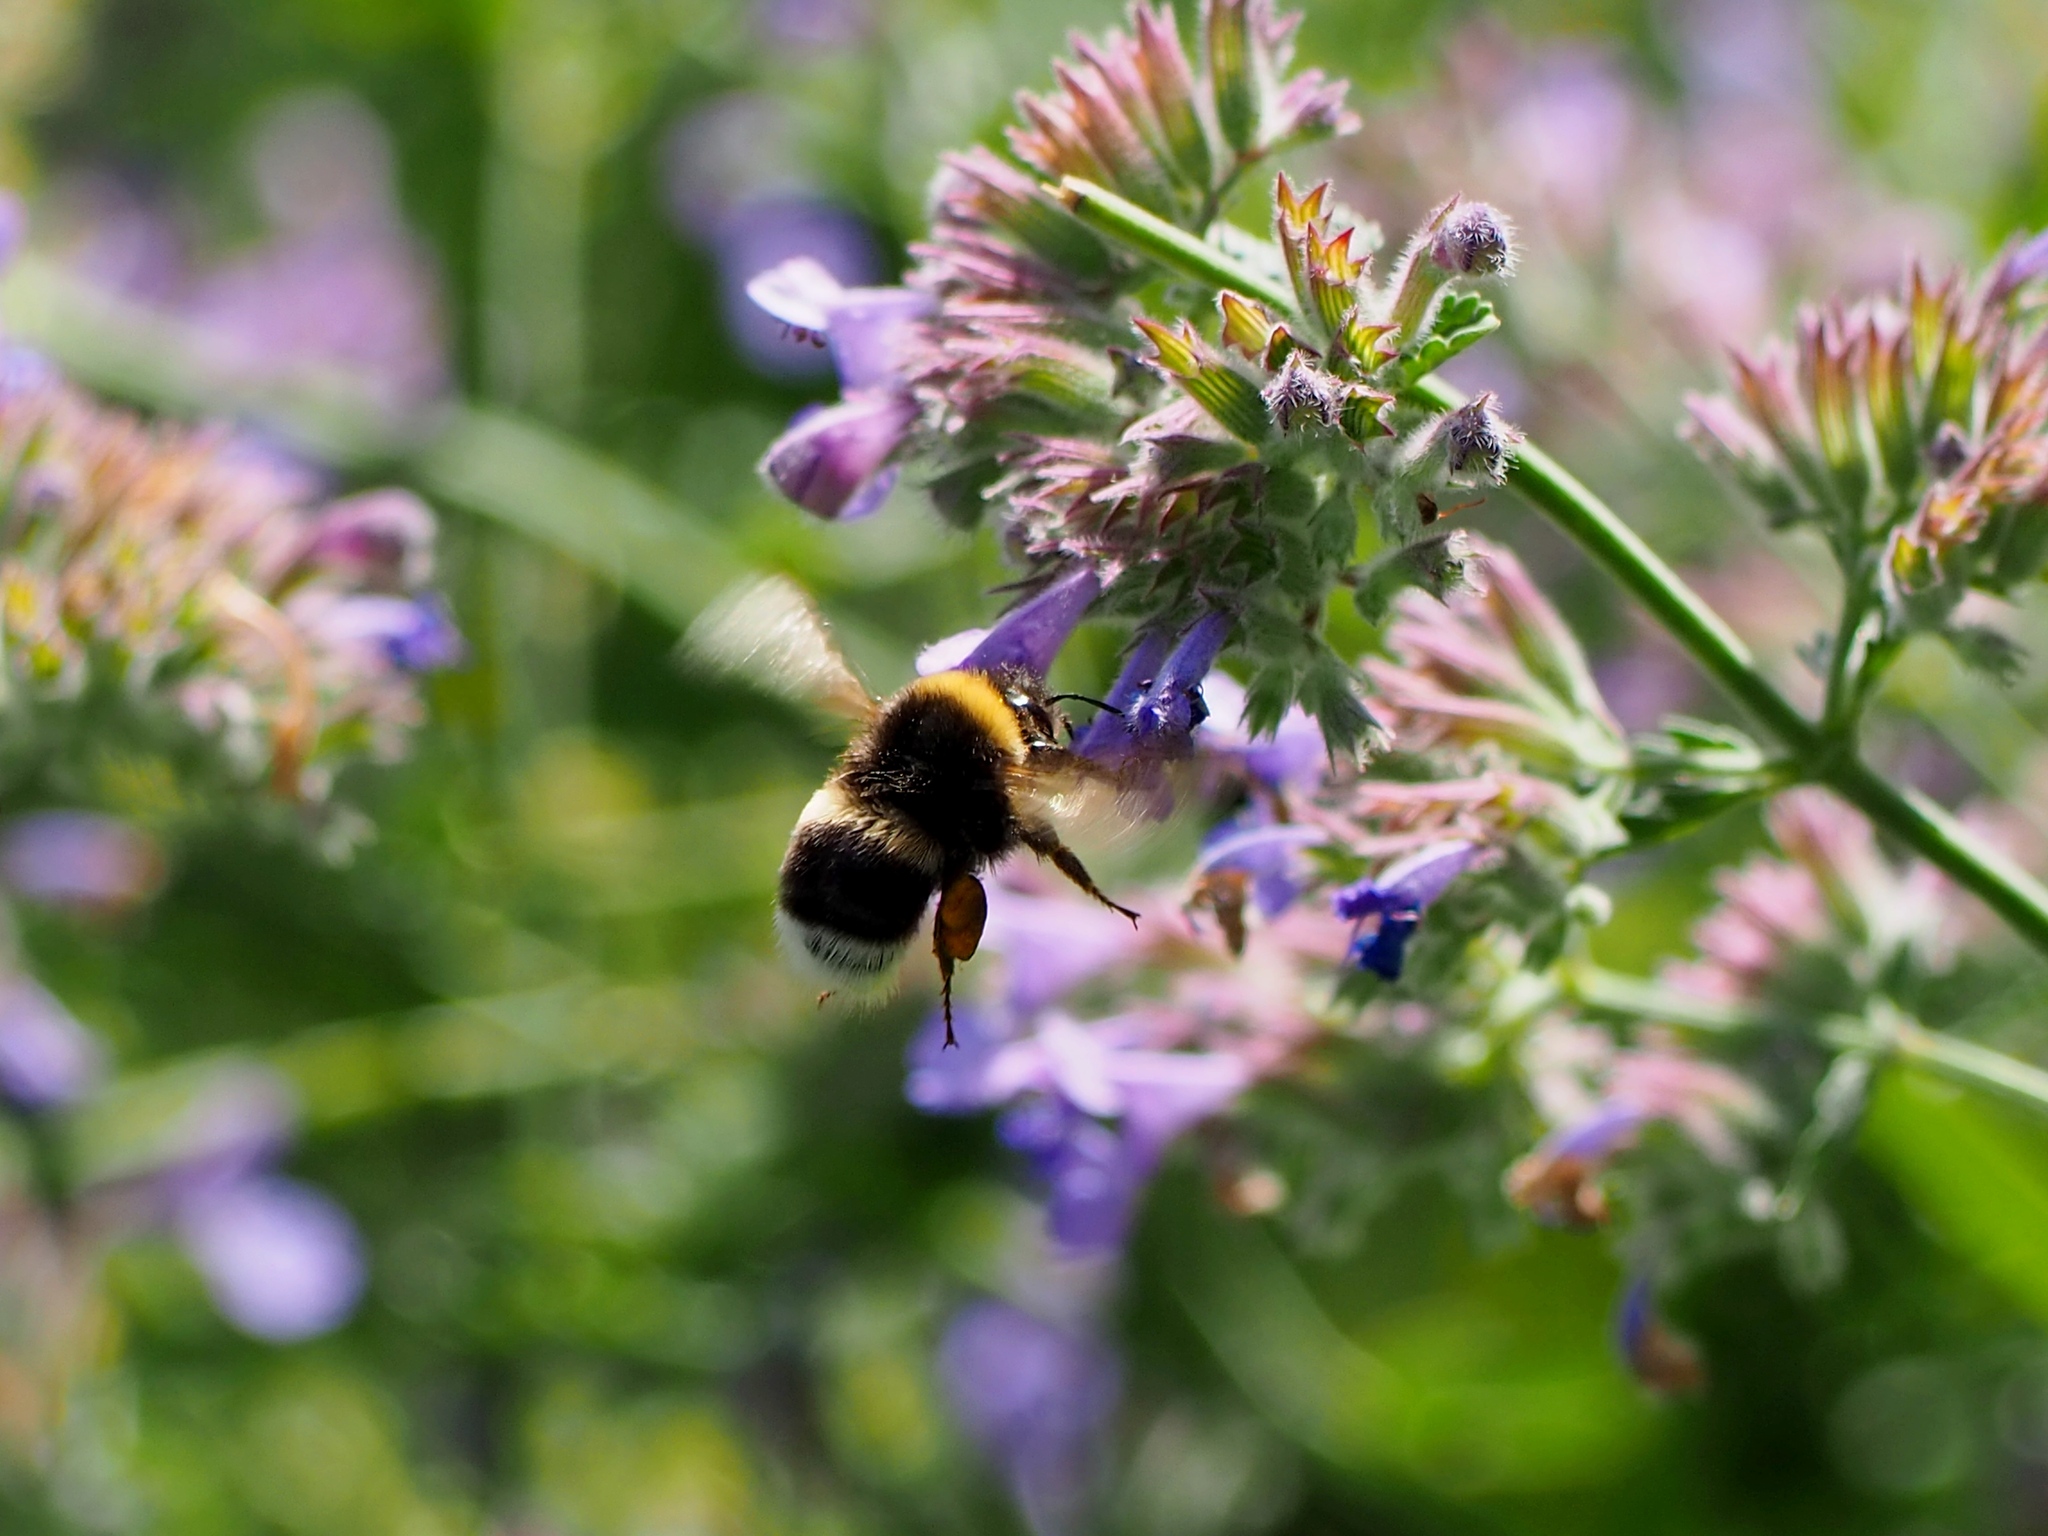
(850, 897)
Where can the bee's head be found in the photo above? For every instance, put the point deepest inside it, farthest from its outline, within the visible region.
(1041, 720)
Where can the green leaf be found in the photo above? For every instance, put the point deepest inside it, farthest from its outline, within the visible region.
(1976, 1171)
(1461, 320)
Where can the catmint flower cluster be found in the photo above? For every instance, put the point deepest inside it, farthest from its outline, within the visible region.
(201, 579)
(1207, 457)
(1910, 428)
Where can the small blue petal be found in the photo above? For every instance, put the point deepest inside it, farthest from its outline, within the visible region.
(1385, 950)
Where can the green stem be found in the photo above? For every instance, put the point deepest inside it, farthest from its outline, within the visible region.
(1958, 1060)
(1634, 997)
(1838, 711)
(1888, 1035)
(1167, 244)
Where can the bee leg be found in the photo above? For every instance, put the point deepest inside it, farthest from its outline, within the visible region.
(956, 934)
(1044, 842)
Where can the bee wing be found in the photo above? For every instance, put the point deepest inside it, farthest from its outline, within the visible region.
(769, 633)
(1086, 800)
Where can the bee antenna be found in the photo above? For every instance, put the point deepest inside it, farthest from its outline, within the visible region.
(1085, 699)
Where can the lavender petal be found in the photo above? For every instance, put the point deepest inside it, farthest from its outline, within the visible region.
(282, 1261)
(1030, 635)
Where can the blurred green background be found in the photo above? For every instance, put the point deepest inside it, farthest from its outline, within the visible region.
(655, 1245)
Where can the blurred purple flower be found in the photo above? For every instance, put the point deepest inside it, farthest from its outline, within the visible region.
(413, 634)
(833, 460)
(24, 371)
(735, 185)
(1062, 1083)
(47, 1058)
(950, 1080)
(237, 1123)
(1267, 853)
(1093, 1173)
(815, 25)
(113, 236)
(80, 859)
(13, 226)
(1659, 1358)
(282, 1261)
(341, 282)
(1397, 897)
(382, 539)
(1050, 945)
(1556, 1182)
(1036, 1398)
(364, 300)
(2023, 261)
(1292, 759)
(1569, 129)
(1645, 682)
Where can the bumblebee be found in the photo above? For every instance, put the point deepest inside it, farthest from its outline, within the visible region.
(942, 780)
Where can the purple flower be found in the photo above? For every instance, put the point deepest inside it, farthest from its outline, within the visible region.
(1166, 713)
(363, 299)
(2025, 262)
(1267, 853)
(870, 330)
(47, 1058)
(381, 539)
(1030, 635)
(24, 371)
(1062, 1083)
(13, 226)
(1163, 708)
(1052, 944)
(1106, 734)
(281, 1261)
(1036, 1399)
(950, 653)
(764, 232)
(1293, 758)
(1397, 898)
(952, 1080)
(1073, 1078)
(1094, 1176)
(413, 634)
(816, 24)
(236, 1124)
(834, 459)
(79, 859)
(1557, 1181)
(1659, 1358)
